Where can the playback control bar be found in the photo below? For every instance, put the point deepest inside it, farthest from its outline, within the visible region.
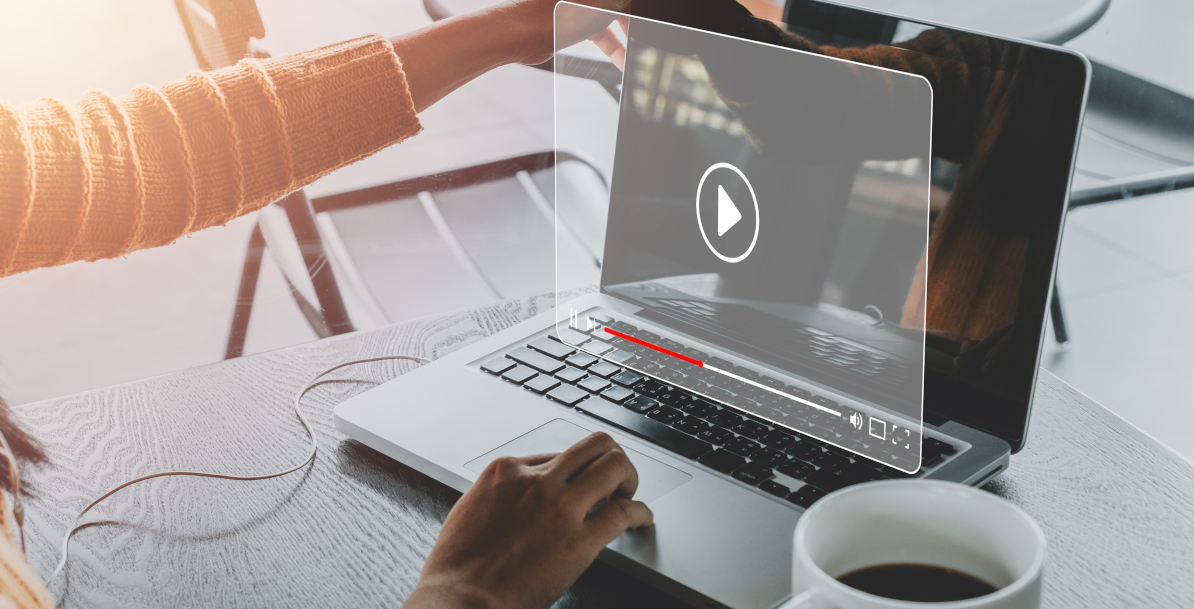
(701, 364)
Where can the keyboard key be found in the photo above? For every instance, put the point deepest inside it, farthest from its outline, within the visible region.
(837, 450)
(675, 398)
(717, 362)
(857, 473)
(719, 394)
(567, 395)
(716, 435)
(652, 389)
(778, 440)
(617, 395)
(826, 402)
(623, 327)
(538, 361)
(570, 374)
(750, 429)
(828, 480)
(604, 369)
(742, 446)
(619, 356)
(798, 392)
(541, 384)
(752, 473)
(722, 461)
(725, 418)
(652, 431)
(551, 348)
(568, 336)
(597, 348)
(497, 366)
(932, 460)
(672, 376)
(806, 496)
(581, 360)
(641, 404)
(593, 384)
(700, 408)
(691, 425)
(829, 461)
(774, 488)
(519, 375)
(604, 337)
(664, 414)
(796, 469)
(772, 383)
(745, 373)
(628, 378)
(770, 457)
(805, 451)
(623, 344)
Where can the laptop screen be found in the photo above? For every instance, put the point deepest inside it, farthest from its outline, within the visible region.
(1005, 121)
(788, 245)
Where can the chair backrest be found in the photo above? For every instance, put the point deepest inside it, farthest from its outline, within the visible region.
(220, 31)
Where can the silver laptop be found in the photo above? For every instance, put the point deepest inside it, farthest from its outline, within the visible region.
(728, 482)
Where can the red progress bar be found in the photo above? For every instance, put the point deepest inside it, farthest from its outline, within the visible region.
(695, 362)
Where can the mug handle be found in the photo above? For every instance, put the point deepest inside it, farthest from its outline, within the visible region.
(809, 599)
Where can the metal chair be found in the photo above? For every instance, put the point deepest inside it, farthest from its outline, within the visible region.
(312, 252)
(1137, 140)
(222, 32)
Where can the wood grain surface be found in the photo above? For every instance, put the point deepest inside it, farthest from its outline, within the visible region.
(353, 529)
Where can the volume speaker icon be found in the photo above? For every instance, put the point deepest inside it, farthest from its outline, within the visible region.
(856, 420)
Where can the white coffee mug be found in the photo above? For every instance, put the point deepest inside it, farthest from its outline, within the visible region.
(925, 522)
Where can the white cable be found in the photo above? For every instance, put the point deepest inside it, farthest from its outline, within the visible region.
(310, 457)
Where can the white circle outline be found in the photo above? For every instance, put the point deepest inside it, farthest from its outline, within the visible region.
(753, 199)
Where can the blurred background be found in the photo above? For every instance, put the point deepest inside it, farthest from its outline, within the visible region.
(1126, 275)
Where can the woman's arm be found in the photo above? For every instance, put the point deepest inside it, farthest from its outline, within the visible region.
(108, 176)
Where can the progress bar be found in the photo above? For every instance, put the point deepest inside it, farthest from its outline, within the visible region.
(700, 364)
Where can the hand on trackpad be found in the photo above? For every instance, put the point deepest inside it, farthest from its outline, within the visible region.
(655, 479)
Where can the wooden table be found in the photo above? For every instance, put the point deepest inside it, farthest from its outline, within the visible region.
(353, 530)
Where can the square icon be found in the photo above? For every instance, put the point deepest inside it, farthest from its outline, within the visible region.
(878, 428)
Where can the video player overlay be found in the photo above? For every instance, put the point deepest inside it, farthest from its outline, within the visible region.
(765, 232)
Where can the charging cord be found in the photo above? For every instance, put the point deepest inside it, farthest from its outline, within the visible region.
(75, 526)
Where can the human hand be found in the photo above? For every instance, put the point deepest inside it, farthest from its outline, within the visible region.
(530, 526)
(719, 16)
(534, 20)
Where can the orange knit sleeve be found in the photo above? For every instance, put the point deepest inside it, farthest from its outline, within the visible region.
(108, 176)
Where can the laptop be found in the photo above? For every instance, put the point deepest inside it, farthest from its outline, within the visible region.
(727, 483)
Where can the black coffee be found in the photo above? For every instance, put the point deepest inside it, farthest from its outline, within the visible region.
(920, 583)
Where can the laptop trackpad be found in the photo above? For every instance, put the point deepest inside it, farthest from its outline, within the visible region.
(655, 479)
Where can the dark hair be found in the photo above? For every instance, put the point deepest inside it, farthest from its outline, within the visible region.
(26, 448)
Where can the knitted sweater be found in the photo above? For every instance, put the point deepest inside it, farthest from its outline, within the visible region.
(108, 176)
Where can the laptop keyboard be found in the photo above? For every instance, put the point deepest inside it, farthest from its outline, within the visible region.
(778, 461)
(811, 349)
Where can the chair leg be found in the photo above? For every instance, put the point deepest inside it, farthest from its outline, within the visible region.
(1058, 316)
(302, 222)
(245, 294)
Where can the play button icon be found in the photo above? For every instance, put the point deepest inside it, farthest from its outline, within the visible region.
(721, 207)
(727, 213)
